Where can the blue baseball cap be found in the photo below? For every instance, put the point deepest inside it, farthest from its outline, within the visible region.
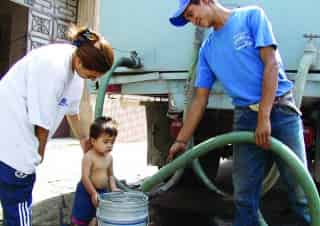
(178, 19)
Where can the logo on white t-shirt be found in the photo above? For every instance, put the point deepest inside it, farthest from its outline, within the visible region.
(63, 102)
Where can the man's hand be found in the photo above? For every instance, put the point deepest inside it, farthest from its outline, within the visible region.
(263, 133)
(269, 88)
(176, 147)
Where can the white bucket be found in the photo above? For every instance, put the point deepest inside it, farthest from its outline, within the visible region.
(123, 208)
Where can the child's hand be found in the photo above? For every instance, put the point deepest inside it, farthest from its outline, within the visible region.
(116, 189)
(94, 200)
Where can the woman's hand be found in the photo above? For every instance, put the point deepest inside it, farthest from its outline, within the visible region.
(85, 144)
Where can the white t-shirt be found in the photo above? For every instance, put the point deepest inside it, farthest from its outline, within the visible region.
(38, 90)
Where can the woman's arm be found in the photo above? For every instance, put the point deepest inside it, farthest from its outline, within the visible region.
(42, 135)
(79, 131)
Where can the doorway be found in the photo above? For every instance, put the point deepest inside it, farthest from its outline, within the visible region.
(13, 34)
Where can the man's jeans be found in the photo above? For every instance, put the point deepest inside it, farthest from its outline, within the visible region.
(250, 163)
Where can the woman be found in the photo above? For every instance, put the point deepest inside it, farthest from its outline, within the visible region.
(35, 94)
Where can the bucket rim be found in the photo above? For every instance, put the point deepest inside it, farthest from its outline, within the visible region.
(122, 222)
(126, 193)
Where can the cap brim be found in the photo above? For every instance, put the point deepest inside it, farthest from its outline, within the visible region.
(178, 19)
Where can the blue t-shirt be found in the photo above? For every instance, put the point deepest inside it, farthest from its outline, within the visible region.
(232, 55)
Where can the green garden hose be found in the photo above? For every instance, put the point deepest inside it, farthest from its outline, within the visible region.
(283, 151)
(131, 62)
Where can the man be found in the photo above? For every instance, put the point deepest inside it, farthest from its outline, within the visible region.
(241, 52)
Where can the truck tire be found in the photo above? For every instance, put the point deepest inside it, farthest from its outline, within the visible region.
(214, 122)
(209, 163)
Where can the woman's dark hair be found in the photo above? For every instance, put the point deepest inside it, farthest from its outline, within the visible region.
(95, 52)
(103, 125)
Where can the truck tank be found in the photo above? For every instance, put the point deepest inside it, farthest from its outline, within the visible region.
(166, 54)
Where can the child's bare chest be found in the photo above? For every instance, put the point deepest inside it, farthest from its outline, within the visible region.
(101, 163)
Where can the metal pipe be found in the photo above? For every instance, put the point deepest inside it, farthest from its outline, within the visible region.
(283, 151)
(307, 61)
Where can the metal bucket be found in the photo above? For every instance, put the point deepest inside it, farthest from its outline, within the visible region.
(123, 208)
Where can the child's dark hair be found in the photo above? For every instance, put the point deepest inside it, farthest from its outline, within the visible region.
(103, 125)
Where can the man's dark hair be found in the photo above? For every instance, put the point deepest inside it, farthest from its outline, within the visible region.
(103, 125)
(195, 2)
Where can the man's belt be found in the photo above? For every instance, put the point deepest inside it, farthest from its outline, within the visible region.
(286, 100)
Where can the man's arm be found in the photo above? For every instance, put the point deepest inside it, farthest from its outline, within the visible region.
(79, 131)
(194, 115)
(42, 135)
(269, 88)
